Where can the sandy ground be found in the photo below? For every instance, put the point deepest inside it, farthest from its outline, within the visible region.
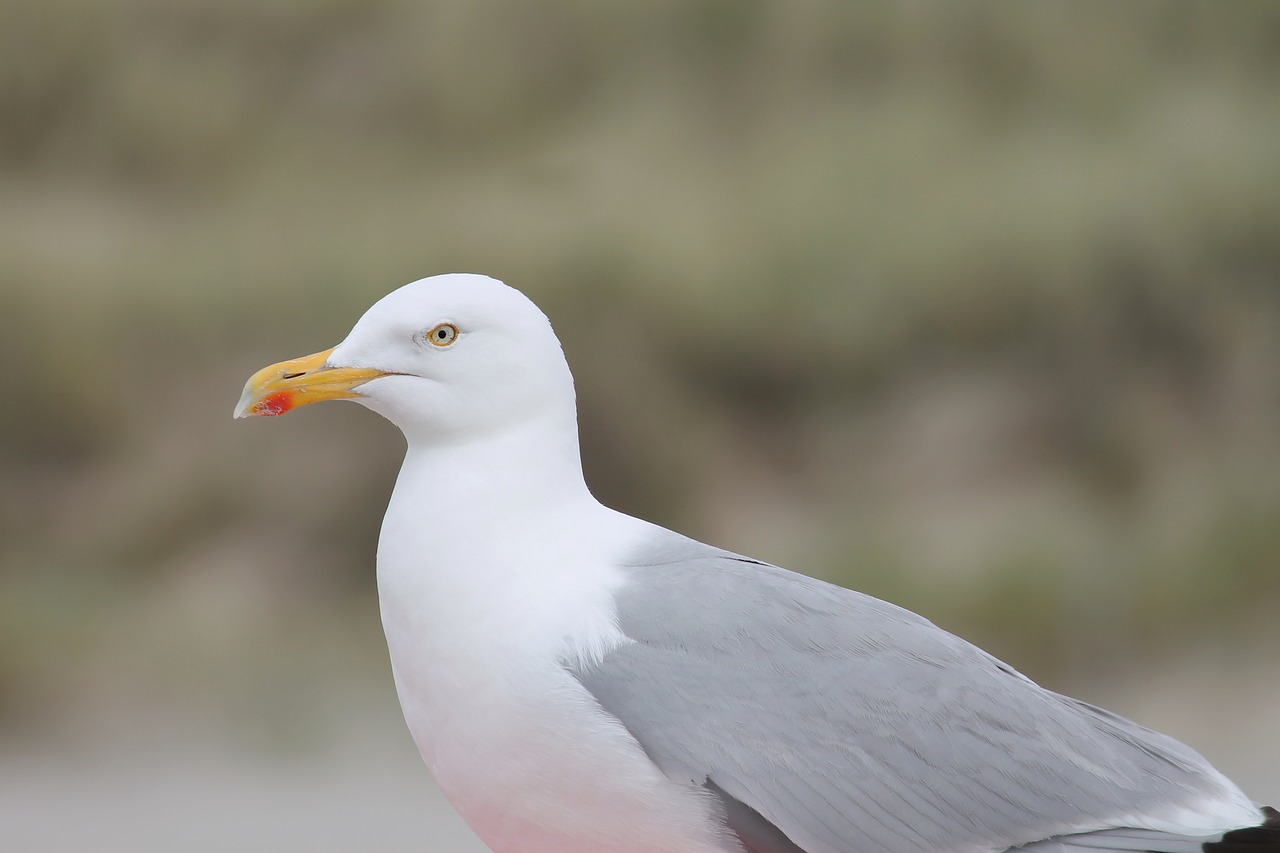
(165, 789)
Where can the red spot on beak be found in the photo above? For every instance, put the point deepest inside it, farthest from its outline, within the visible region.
(273, 404)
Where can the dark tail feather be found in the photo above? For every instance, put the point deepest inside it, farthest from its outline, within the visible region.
(1255, 839)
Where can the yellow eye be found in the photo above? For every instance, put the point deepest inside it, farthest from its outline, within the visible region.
(443, 335)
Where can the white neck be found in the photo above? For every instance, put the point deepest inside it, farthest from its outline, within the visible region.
(492, 525)
(501, 469)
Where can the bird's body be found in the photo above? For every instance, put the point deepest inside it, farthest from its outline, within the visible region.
(477, 696)
(580, 681)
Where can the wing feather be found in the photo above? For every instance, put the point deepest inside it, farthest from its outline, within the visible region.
(850, 724)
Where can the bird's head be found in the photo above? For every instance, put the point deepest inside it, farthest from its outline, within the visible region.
(446, 356)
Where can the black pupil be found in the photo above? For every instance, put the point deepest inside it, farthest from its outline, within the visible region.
(441, 334)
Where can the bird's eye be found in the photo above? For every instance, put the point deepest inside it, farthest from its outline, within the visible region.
(443, 335)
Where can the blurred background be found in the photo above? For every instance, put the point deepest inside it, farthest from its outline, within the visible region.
(971, 306)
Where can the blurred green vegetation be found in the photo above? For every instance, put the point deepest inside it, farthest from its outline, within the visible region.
(971, 305)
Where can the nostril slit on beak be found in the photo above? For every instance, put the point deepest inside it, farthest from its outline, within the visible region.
(292, 375)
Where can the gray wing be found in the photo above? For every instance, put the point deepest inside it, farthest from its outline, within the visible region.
(832, 722)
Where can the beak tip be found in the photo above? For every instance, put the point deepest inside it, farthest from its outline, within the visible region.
(254, 404)
(244, 406)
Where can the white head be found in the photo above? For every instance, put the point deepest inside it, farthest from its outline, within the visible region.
(446, 359)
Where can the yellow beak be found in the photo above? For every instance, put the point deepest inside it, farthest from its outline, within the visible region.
(276, 389)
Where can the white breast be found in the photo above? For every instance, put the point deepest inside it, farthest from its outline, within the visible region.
(476, 634)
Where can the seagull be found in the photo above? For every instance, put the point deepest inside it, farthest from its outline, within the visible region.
(581, 681)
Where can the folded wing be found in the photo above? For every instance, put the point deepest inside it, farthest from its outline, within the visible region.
(832, 722)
